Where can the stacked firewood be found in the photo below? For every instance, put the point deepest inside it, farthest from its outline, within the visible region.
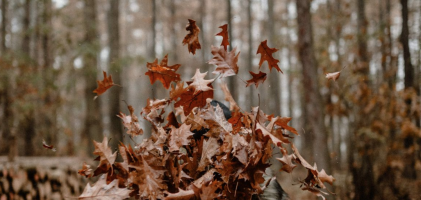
(40, 178)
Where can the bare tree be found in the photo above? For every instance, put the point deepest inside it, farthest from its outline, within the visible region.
(115, 68)
(93, 124)
(312, 98)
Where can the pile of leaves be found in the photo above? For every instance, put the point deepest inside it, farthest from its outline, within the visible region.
(194, 152)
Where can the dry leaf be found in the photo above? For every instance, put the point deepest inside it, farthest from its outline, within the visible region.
(257, 78)
(103, 191)
(224, 34)
(266, 54)
(192, 39)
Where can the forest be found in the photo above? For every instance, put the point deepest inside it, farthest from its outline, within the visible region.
(329, 87)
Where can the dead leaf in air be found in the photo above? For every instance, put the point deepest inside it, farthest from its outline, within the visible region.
(192, 39)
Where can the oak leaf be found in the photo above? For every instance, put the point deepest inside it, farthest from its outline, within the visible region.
(199, 83)
(283, 122)
(189, 99)
(266, 55)
(210, 148)
(192, 38)
(179, 137)
(104, 85)
(181, 195)
(225, 61)
(228, 97)
(287, 164)
(165, 74)
(257, 78)
(131, 122)
(103, 191)
(106, 157)
(224, 34)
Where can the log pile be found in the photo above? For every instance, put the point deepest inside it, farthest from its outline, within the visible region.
(47, 178)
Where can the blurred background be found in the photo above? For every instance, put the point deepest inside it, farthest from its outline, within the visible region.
(363, 128)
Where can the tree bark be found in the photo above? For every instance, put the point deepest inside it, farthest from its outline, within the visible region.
(26, 33)
(362, 39)
(275, 100)
(3, 26)
(116, 128)
(312, 98)
(232, 82)
(251, 97)
(404, 39)
(93, 123)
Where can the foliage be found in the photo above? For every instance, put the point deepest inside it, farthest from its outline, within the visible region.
(200, 155)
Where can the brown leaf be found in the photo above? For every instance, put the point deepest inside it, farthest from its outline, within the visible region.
(287, 164)
(45, 145)
(103, 191)
(199, 83)
(257, 78)
(165, 74)
(106, 157)
(131, 122)
(224, 34)
(104, 85)
(177, 90)
(210, 148)
(236, 122)
(189, 99)
(228, 97)
(225, 61)
(266, 54)
(86, 170)
(179, 137)
(192, 38)
(334, 76)
(181, 195)
(283, 122)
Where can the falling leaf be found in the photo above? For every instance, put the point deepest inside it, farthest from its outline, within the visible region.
(199, 83)
(192, 38)
(228, 97)
(225, 61)
(334, 76)
(283, 122)
(165, 74)
(103, 191)
(224, 34)
(86, 171)
(106, 157)
(257, 78)
(189, 99)
(104, 85)
(287, 164)
(266, 54)
(45, 145)
(131, 122)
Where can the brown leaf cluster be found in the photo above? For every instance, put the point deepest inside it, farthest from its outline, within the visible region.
(198, 153)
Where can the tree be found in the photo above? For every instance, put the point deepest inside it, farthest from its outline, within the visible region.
(93, 123)
(312, 98)
(115, 68)
(275, 100)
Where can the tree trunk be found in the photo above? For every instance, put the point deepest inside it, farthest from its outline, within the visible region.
(26, 32)
(153, 50)
(115, 93)
(3, 26)
(232, 83)
(93, 123)
(251, 97)
(409, 70)
(362, 39)
(312, 98)
(275, 100)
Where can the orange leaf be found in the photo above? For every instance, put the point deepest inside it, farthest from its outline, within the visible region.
(283, 122)
(224, 34)
(225, 61)
(191, 99)
(266, 54)
(45, 145)
(257, 78)
(192, 39)
(165, 74)
(104, 85)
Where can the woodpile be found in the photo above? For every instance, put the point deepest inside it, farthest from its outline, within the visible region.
(46, 178)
